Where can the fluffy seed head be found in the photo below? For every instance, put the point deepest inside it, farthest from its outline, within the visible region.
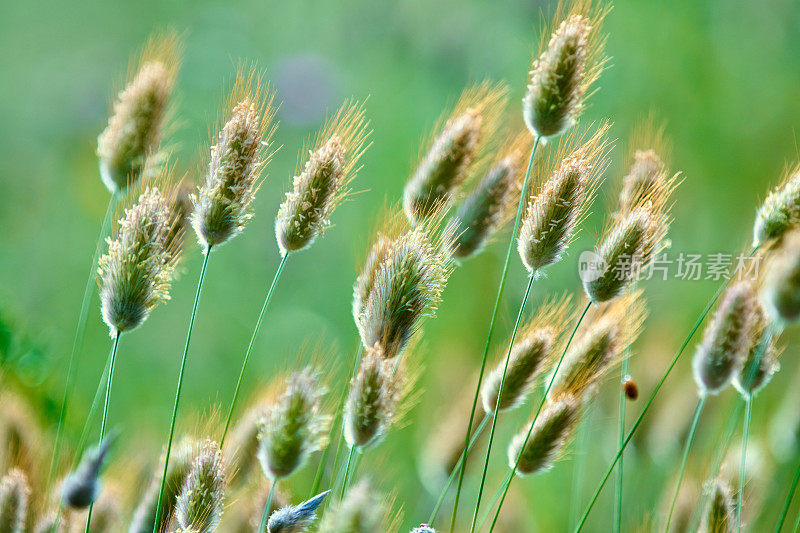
(135, 274)
(720, 516)
(423, 528)
(14, 495)
(361, 511)
(761, 358)
(725, 340)
(492, 201)
(456, 145)
(780, 210)
(647, 173)
(82, 487)
(600, 346)
(293, 427)
(551, 433)
(406, 287)
(531, 355)
(781, 293)
(223, 203)
(553, 213)
(565, 69)
(295, 518)
(372, 401)
(366, 280)
(135, 126)
(323, 183)
(200, 503)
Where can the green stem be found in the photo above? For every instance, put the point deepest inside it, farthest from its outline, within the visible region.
(579, 465)
(748, 406)
(789, 497)
(180, 384)
(77, 342)
(552, 380)
(689, 438)
(347, 470)
(103, 421)
(475, 436)
(624, 367)
(250, 346)
(267, 505)
(797, 524)
(487, 344)
(499, 400)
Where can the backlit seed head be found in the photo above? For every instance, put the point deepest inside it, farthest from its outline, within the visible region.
(82, 487)
(456, 145)
(781, 292)
(21, 438)
(323, 183)
(531, 355)
(492, 201)
(720, 516)
(200, 503)
(780, 210)
(725, 340)
(293, 427)
(600, 346)
(565, 69)
(14, 500)
(361, 511)
(423, 528)
(135, 126)
(366, 280)
(372, 401)
(551, 433)
(136, 271)
(648, 173)
(295, 518)
(180, 206)
(761, 358)
(406, 287)
(555, 210)
(223, 203)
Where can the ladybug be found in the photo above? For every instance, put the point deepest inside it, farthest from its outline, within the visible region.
(630, 388)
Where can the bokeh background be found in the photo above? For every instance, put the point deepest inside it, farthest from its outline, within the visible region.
(723, 74)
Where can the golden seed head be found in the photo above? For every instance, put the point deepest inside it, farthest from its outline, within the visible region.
(565, 69)
(361, 511)
(135, 126)
(14, 500)
(135, 274)
(643, 177)
(551, 433)
(720, 516)
(554, 212)
(323, 184)
(223, 203)
(761, 357)
(726, 339)
(780, 210)
(200, 503)
(366, 280)
(372, 402)
(293, 427)
(781, 293)
(455, 148)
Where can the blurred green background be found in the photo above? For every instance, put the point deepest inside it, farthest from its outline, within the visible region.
(723, 74)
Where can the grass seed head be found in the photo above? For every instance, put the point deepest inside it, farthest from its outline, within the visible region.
(372, 401)
(293, 427)
(423, 528)
(14, 500)
(223, 203)
(565, 69)
(726, 340)
(295, 518)
(780, 210)
(135, 273)
(720, 516)
(781, 292)
(761, 358)
(135, 126)
(361, 511)
(200, 503)
(551, 433)
(456, 146)
(323, 183)
(82, 487)
(554, 212)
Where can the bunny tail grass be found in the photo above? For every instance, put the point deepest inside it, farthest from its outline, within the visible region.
(499, 401)
(550, 382)
(789, 497)
(695, 419)
(284, 257)
(500, 289)
(653, 395)
(77, 342)
(267, 506)
(748, 408)
(180, 382)
(117, 335)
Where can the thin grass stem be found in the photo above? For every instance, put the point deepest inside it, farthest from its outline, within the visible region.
(579, 466)
(267, 506)
(789, 497)
(347, 470)
(624, 367)
(748, 407)
(689, 438)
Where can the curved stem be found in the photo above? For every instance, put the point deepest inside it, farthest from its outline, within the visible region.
(487, 344)
(77, 342)
(267, 505)
(499, 401)
(250, 346)
(689, 438)
(180, 384)
(789, 497)
(552, 380)
(621, 437)
(748, 406)
(475, 436)
(105, 409)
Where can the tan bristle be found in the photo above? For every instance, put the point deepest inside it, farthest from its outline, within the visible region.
(780, 210)
(200, 503)
(648, 170)
(323, 183)
(14, 501)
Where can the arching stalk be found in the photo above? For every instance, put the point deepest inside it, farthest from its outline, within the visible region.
(689, 438)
